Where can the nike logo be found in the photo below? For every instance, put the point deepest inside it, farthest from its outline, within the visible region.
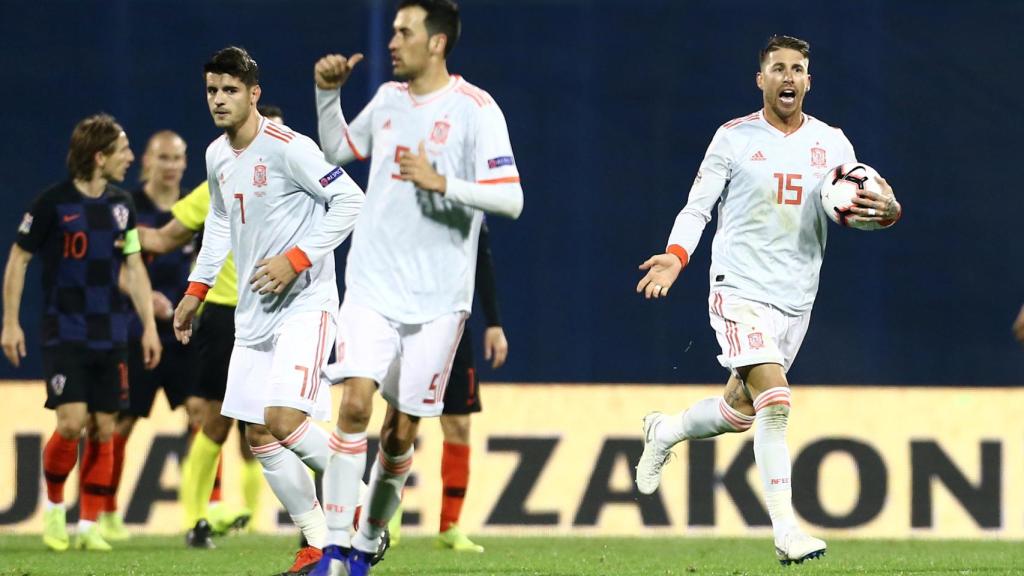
(71, 217)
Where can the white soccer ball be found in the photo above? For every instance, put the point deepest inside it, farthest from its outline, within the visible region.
(840, 187)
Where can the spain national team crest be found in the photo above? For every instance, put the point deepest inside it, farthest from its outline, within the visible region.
(120, 212)
(439, 135)
(57, 383)
(259, 176)
(818, 159)
(756, 340)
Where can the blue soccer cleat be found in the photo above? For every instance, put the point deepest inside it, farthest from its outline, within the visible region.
(359, 562)
(332, 563)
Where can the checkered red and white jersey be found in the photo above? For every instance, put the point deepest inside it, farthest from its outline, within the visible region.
(277, 194)
(771, 227)
(413, 252)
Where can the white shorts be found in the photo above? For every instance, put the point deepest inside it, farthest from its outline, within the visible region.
(410, 362)
(285, 371)
(754, 332)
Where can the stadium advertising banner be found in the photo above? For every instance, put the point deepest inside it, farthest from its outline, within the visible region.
(867, 462)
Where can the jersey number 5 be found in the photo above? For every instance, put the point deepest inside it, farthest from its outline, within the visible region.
(789, 183)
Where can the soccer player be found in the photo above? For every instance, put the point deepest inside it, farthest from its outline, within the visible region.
(281, 209)
(215, 337)
(462, 399)
(163, 165)
(441, 157)
(766, 256)
(83, 228)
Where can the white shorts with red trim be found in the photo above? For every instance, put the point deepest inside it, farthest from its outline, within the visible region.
(752, 332)
(285, 371)
(411, 363)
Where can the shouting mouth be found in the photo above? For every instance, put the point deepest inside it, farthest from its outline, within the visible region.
(787, 96)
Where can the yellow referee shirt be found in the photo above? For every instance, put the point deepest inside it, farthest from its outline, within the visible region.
(191, 212)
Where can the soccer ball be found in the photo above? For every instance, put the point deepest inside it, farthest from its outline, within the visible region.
(840, 187)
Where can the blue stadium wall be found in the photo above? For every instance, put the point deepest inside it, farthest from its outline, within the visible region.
(610, 106)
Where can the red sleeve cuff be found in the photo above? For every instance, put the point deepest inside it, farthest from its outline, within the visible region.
(679, 252)
(298, 259)
(197, 289)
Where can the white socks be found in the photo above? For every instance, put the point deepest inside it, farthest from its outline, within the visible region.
(385, 494)
(294, 487)
(772, 455)
(309, 442)
(342, 480)
(707, 418)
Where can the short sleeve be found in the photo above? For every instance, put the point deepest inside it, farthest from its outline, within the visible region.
(37, 224)
(191, 210)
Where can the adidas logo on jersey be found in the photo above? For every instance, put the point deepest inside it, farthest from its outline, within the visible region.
(758, 156)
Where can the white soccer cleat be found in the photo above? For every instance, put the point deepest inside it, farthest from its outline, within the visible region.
(648, 470)
(795, 547)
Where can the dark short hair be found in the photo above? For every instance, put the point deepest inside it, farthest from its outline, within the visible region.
(442, 18)
(776, 42)
(97, 133)
(236, 62)
(270, 110)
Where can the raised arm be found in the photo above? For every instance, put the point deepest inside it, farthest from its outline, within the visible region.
(341, 143)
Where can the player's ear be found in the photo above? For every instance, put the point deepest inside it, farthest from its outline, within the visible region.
(256, 92)
(759, 79)
(808, 83)
(437, 43)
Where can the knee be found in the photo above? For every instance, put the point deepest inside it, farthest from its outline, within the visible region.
(356, 410)
(282, 421)
(398, 439)
(258, 435)
(217, 428)
(456, 429)
(70, 427)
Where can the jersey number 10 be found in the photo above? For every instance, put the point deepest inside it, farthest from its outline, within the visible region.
(789, 183)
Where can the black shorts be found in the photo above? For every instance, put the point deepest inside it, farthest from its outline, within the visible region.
(215, 338)
(462, 396)
(77, 374)
(176, 374)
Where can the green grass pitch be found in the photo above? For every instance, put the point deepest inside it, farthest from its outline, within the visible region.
(557, 556)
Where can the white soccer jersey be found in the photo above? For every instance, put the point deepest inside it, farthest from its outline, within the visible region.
(277, 194)
(771, 227)
(413, 256)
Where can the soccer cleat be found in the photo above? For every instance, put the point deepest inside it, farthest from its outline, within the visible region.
(91, 540)
(359, 562)
(224, 519)
(199, 536)
(648, 470)
(306, 560)
(454, 539)
(112, 527)
(332, 563)
(382, 548)
(55, 530)
(795, 547)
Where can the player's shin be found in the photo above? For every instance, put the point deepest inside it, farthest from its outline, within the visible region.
(309, 443)
(342, 480)
(772, 407)
(387, 479)
(59, 457)
(291, 482)
(708, 417)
